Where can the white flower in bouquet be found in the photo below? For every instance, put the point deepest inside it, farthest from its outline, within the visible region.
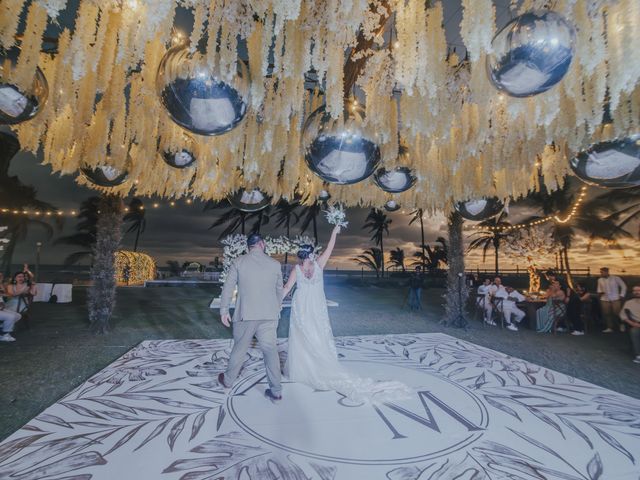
(336, 216)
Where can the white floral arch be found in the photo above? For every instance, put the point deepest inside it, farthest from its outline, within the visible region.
(236, 245)
(2, 239)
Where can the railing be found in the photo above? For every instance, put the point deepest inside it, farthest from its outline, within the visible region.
(586, 272)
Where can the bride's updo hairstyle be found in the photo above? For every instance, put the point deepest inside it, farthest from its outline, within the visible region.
(305, 252)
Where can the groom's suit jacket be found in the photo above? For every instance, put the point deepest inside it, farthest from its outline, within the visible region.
(259, 281)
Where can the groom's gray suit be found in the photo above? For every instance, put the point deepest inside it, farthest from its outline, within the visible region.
(257, 311)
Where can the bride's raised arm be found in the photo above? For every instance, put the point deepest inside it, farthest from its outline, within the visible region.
(290, 283)
(324, 258)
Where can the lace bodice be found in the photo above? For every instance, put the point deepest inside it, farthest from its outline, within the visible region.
(316, 278)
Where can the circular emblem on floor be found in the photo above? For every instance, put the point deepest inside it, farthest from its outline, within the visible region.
(440, 418)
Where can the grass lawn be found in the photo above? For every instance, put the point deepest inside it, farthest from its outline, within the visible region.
(59, 352)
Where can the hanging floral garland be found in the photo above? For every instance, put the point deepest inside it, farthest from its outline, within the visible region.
(464, 139)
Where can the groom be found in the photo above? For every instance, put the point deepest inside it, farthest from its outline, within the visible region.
(257, 311)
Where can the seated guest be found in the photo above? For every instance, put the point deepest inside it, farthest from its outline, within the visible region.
(509, 298)
(630, 314)
(554, 310)
(7, 318)
(20, 285)
(485, 302)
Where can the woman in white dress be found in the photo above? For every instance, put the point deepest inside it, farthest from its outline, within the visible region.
(313, 358)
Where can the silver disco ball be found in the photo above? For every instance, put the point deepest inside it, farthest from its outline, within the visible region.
(105, 175)
(480, 209)
(249, 200)
(613, 164)
(197, 96)
(183, 157)
(392, 206)
(19, 103)
(396, 180)
(324, 196)
(531, 53)
(339, 150)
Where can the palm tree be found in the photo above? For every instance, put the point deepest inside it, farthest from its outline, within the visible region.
(86, 231)
(491, 237)
(594, 218)
(378, 223)
(285, 217)
(626, 202)
(435, 256)
(136, 216)
(14, 195)
(233, 218)
(417, 216)
(396, 258)
(101, 299)
(309, 218)
(372, 259)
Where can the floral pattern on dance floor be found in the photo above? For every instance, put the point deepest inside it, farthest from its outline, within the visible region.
(159, 413)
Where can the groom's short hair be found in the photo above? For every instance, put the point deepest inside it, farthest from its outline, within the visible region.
(254, 239)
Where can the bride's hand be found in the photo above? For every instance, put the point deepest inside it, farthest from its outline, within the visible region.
(336, 230)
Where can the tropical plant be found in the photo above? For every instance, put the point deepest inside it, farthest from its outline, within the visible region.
(457, 290)
(286, 216)
(372, 259)
(309, 218)
(235, 219)
(595, 218)
(491, 236)
(102, 294)
(136, 217)
(397, 258)
(378, 224)
(174, 268)
(86, 231)
(625, 203)
(14, 195)
(434, 257)
(417, 216)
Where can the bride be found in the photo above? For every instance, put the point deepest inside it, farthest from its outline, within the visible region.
(313, 358)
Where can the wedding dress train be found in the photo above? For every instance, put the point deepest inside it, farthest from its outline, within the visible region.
(313, 358)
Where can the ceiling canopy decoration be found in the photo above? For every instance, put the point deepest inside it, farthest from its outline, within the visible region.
(127, 78)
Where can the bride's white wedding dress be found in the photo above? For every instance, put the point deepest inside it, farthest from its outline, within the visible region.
(313, 358)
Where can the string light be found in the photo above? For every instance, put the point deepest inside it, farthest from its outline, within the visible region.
(534, 223)
(73, 213)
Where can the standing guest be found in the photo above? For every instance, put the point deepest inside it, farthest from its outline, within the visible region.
(574, 310)
(612, 291)
(7, 318)
(416, 282)
(484, 301)
(554, 310)
(509, 298)
(630, 314)
(21, 284)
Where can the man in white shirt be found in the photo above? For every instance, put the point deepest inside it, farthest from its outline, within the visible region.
(509, 298)
(630, 314)
(612, 291)
(484, 300)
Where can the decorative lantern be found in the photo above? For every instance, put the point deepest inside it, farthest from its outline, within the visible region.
(198, 96)
(612, 164)
(183, 157)
(339, 150)
(531, 53)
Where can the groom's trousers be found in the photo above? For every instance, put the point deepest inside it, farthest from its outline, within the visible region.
(265, 332)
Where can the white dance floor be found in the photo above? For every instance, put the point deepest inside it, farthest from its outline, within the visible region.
(158, 413)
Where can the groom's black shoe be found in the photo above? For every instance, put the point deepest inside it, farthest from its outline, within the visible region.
(221, 381)
(269, 394)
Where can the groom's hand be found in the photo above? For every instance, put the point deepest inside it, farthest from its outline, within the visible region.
(225, 318)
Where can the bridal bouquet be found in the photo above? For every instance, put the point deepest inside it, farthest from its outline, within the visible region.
(336, 216)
